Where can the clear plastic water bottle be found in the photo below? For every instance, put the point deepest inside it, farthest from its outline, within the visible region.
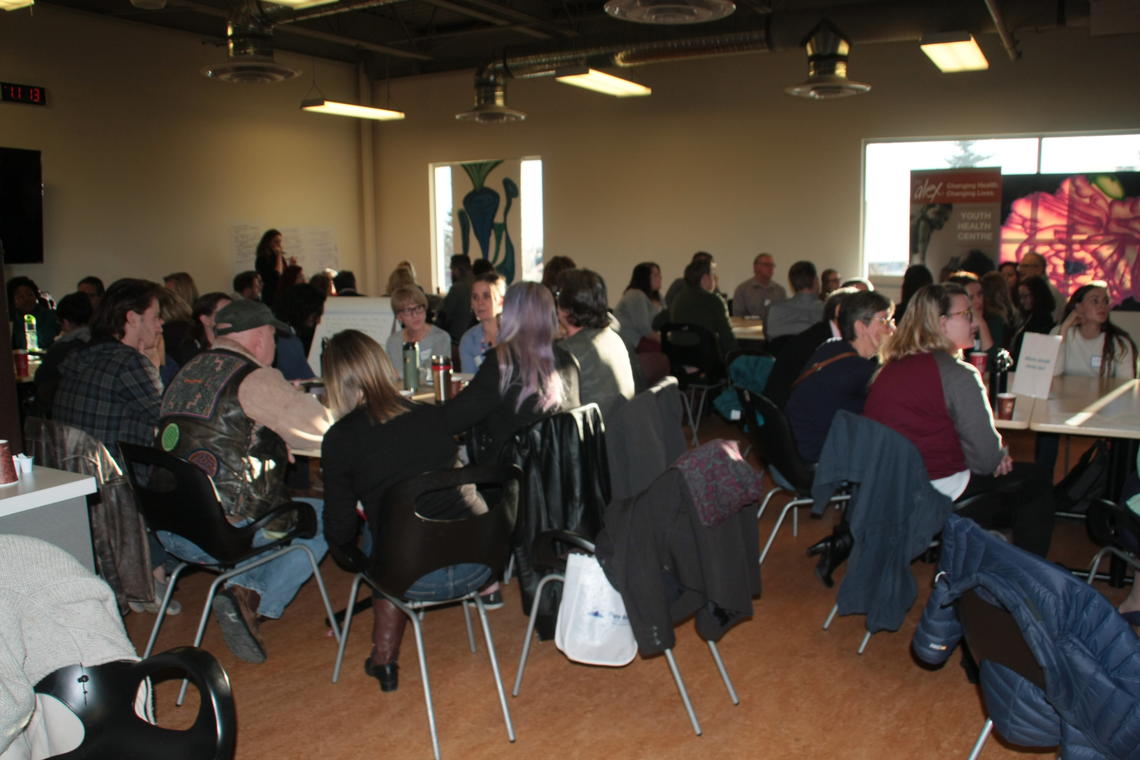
(411, 366)
(31, 338)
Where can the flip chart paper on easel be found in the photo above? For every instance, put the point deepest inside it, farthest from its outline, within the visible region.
(372, 316)
(1035, 364)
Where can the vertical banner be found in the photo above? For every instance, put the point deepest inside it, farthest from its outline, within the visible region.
(954, 212)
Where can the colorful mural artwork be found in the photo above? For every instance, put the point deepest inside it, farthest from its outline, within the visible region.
(1087, 227)
(477, 217)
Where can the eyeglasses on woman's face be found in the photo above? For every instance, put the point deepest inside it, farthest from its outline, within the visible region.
(410, 311)
(967, 313)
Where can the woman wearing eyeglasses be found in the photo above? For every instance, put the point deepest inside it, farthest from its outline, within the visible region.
(410, 307)
(937, 401)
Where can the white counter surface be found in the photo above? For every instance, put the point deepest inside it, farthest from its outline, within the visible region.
(42, 487)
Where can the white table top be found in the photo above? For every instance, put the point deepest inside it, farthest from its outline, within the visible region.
(43, 486)
(1089, 406)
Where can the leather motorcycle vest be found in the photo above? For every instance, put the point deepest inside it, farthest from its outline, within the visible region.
(202, 422)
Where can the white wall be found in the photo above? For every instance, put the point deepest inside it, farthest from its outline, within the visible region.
(718, 158)
(148, 165)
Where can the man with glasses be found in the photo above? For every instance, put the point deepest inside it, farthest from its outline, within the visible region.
(839, 372)
(1034, 264)
(753, 296)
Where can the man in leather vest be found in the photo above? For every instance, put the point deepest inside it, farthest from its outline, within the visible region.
(236, 418)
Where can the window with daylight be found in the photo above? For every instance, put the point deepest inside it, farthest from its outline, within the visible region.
(489, 210)
(887, 165)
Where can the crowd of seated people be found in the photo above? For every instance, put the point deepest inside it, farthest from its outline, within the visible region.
(532, 350)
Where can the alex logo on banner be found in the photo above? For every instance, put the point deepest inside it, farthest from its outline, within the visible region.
(953, 212)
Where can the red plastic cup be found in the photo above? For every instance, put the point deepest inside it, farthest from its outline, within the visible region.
(978, 359)
(7, 466)
(1005, 405)
(20, 357)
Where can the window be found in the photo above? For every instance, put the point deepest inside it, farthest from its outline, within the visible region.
(887, 166)
(489, 210)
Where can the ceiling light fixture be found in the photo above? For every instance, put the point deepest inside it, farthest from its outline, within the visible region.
(13, 5)
(953, 52)
(599, 81)
(827, 51)
(336, 108)
(669, 11)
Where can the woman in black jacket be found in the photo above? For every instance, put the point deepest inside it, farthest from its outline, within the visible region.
(379, 439)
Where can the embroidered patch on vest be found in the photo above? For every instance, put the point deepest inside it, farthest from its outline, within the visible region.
(204, 461)
(198, 387)
(170, 436)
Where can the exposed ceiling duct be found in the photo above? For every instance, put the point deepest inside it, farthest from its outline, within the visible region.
(491, 85)
(249, 44)
(827, 50)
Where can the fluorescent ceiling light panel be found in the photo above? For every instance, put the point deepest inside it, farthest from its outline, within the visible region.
(605, 83)
(11, 5)
(320, 105)
(953, 52)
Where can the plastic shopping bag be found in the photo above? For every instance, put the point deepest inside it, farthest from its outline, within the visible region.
(592, 623)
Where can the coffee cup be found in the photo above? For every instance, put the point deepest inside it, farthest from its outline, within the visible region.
(1005, 404)
(978, 359)
(7, 465)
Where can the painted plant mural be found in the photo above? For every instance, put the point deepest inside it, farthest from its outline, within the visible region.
(1087, 229)
(477, 218)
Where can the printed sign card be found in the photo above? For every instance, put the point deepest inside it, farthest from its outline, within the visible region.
(1035, 365)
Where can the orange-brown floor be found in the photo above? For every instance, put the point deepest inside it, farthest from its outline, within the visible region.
(804, 692)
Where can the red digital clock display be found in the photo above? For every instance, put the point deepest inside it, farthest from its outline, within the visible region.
(23, 93)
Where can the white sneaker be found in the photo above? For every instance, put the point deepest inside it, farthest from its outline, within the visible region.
(152, 607)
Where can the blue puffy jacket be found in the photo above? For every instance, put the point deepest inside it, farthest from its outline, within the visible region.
(1090, 657)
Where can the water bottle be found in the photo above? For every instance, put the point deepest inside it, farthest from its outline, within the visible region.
(31, 339)
(411, 366)
(441, 376)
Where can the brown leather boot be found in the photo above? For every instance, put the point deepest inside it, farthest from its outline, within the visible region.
(236, 609)
(387, 633)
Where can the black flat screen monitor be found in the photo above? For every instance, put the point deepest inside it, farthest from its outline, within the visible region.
(21, 206)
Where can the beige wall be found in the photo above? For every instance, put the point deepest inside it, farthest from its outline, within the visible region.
(718, 158)
(148, 165)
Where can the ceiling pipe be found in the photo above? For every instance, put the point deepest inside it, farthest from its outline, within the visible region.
(1007, 40)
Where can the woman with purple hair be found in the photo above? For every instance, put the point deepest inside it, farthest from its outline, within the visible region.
(523, 379)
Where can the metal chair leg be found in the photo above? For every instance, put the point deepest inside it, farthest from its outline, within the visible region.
(830, 617)
(981, 740)
(347, 625)
(684, 693)
(767, 498)
(417, 629)
(161, 615)
(723, 672)
(780, 521)
(863, 644)
(530, 628)
(495, 668)
(467, 620)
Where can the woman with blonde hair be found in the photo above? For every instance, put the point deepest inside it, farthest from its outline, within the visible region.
(523, 379)
(938, 402)
(487, 304)
(401, 277)
(379, 439)
(410, 307)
